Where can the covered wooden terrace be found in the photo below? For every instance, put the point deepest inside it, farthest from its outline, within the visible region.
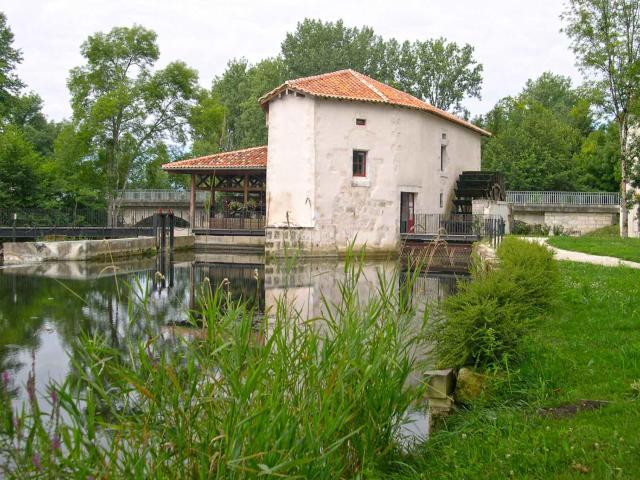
(237, 184)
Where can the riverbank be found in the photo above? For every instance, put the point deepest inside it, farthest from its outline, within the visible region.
(588, 349)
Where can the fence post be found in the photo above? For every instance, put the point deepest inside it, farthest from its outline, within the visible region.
(172, 222)
(13, 229)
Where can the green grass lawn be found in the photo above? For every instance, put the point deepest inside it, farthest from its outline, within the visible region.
(589, 348)
(606, 241)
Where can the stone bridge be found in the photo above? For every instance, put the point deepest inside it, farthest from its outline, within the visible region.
(575, 212)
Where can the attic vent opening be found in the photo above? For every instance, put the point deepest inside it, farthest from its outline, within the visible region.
(444, 136)
(361, 121)
(301, 95)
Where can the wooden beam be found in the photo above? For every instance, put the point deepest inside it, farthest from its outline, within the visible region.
(246, 188)
(213, 196)
(192, 202)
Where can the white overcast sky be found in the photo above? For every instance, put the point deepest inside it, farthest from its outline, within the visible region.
(514, 39)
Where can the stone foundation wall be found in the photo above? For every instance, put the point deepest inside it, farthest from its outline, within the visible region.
(574, 219)
(320, 242)
(581, 222)
(34, 252)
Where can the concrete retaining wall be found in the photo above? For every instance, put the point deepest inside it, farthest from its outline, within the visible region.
(34, 252)
(576, 219)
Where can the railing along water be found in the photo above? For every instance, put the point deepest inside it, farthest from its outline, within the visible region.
(465, 227)
(563, 198)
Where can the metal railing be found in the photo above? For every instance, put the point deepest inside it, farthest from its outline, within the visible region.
(465, 226)
(242, 220)
(563, 198)
(159, 196)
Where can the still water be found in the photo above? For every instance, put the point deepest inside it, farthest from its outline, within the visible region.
(46, 308)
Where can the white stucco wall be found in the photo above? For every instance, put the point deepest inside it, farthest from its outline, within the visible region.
(291, 162)
(403, 148)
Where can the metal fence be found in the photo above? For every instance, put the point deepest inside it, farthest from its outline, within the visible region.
(40, 217)
(465, 226)
(563, 198)
(242, 220)
(159, 196)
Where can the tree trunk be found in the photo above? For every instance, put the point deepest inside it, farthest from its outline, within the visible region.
(624, 212)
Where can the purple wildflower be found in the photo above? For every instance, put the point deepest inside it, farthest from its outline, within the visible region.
(36, 461)
(55, 443)
(54, 397)
(6, 378)
(31, 388)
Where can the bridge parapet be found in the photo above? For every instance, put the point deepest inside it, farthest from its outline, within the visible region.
(525, 198)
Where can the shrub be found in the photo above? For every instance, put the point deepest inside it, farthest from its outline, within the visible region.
(520, 228)
(484, 324)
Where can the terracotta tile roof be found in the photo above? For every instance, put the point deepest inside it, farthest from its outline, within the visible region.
(248, 158)
(354, 86)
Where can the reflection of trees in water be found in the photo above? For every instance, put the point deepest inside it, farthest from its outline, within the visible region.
(433, 287)
(245, 282)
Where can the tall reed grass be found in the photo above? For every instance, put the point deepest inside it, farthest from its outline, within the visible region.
(277, 396)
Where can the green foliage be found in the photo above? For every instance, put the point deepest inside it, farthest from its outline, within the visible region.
(440, 72)
(485, 323)
(10, 57)
(238, 90)
(122, 110)
(545, 139)
(276, 396)
(586, 349)
(319, 47)
(22, 180)
(605, 40)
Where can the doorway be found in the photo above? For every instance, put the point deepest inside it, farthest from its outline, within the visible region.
(407, 212)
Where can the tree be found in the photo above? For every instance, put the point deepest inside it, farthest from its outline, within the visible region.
(238, 90)
(123, 108)
(319, 47)
(440, 72)
(605, 37)
(538, 137)
(20, 177)
(10, 84)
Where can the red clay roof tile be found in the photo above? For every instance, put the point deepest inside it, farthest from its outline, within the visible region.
(248, 158)
(354, 86)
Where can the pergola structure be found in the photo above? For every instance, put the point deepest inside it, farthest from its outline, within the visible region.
(238, 174)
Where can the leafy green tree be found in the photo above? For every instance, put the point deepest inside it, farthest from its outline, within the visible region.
(319, 47)
(605, 38)
(534, 148)
(125, 109)
(597, 163)
(207, 121)
(26, 113)
(10, 57)
(238, 90)
(538, 137)
(20, 176)
(440, 72)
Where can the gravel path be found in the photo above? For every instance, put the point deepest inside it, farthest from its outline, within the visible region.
(584, 257)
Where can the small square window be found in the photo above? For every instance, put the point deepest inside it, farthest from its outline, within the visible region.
(361, 121)
(359, 163)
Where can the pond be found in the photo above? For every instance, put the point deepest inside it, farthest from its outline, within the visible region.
(45, 308)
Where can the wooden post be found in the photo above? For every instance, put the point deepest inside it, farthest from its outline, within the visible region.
(192, 202)
(246, 189)
(212, 200)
